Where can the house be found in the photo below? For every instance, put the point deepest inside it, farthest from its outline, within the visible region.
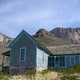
(25, 54)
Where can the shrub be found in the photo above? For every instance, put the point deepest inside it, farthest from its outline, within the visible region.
(69, 78)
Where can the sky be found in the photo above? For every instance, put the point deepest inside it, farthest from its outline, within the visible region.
(31, 15)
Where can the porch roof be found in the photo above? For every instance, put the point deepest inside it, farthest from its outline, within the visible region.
(5, 51)
(64, 49)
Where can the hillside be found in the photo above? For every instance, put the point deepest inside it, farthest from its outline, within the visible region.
(48, 39)
(70, 34)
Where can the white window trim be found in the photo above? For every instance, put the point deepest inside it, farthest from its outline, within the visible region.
(24, 55)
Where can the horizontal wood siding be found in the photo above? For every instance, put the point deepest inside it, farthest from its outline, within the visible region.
(42, 60)
(30, 61)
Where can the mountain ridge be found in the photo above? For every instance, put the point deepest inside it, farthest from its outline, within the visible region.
(70, 34)
(58, 36)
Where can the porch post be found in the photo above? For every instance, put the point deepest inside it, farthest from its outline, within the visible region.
(70, 61)
(3, 62)
(54, 61)
(74, 60)
(79, 59)
(65, 61)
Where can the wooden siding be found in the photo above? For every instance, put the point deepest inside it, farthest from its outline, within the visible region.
(42, 60)
(30, 61)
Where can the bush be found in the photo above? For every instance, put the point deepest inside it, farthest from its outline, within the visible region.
(69, 78)
(75, 69)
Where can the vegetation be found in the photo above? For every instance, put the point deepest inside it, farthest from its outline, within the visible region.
(4, 76)
(69, 73)
(66, 74)
(44, 75)
(72, 70)
(69, 78)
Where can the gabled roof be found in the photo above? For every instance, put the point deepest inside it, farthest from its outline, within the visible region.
(5, 51)
(23, 32)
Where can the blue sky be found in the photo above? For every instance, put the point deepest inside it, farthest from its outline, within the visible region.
(32, 15)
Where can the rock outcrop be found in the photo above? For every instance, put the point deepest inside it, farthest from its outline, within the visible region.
(41, 33)
(71, 34)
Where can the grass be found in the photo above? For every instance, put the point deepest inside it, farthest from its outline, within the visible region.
(72, 70)
(68, 73)
(4, 76)
(69, 78)
(44, 75)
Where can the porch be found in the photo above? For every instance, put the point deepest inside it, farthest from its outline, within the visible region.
(64, 61)
(5, 61)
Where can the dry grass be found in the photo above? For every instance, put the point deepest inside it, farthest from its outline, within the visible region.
(38, 76)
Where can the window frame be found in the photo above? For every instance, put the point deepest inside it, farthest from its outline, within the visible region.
(22, 61)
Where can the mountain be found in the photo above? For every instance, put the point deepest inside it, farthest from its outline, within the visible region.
(4, 40)
(70, 34)
(47, 38)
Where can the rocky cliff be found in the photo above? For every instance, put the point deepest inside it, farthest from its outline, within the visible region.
(70, 34)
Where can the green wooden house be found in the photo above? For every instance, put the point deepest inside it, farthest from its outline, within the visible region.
(25, 54)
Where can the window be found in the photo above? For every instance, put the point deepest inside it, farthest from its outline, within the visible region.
(72, 58)
(76, 59)
(22, 54)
